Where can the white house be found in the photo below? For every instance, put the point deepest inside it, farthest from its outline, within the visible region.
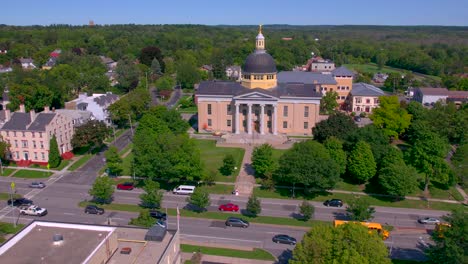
(430, 95)
(97, 104)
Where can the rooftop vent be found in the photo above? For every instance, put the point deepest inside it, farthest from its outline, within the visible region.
(58, 239)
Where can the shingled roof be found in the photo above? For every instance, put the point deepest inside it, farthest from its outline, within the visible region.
(364, 89)
(305, 77)
(22, 121)
(41, 121)
(342, 71)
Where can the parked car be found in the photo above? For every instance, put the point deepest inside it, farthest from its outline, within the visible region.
(333, 203)
(357, 118)
(184, 189)
(158, 214)
(237, 222)
(39, 185)
(125, 186)
(284, 239)
(93, 209)
(19, 202)
(429, 221)
(229, 207)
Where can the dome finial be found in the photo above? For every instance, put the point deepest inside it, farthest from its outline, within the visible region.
(260, 29)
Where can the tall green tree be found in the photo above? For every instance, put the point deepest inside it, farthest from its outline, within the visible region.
(398, 179)
(90, 135)
(144, 219)
(254, 206)
(156, 67)
(127, 74)
(130, 107)
(349, 243)
(359, 209)
(200, 198)
(149, 53)
(262, 160)
(307, 210)
(102, 190)
(335, 148)
(328, 103)
(361, 163)
(54, 153)
(310, 164)
(187, 74)
(374, 136)
(337, 125)
(229, 163)
(153, 196)
(451, 245)
(389, 116)
(114, 161)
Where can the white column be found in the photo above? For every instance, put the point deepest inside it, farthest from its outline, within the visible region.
(236, 120)
(249, 119)
(262, 112)
(274, 119)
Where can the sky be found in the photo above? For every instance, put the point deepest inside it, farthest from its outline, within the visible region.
(236, 12)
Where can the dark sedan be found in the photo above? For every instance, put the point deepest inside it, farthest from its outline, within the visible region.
(237, 222)
(333, 202)
(19, 202)
(92, 209)
(284, 239)
(158, 215)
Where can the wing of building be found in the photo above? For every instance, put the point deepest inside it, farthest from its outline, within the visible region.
(265, 101)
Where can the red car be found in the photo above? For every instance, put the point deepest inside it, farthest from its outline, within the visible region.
(125, 186)
(229, 207)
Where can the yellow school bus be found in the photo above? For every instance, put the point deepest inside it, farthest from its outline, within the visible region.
(371, 226)
(440, 229)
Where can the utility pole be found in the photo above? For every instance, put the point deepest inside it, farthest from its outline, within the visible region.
(131, 127)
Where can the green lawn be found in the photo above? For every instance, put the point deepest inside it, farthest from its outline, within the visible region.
(62, 165)
(126, 149)
(8, 228)
(6, 196)
(218, 188)
(31, 174)
(374, 200)
(226, 252)
(127, 165)
(82, 160)
(214, 215)
(7, 171)
(213, 156)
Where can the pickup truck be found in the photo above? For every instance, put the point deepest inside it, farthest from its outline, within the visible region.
(33, 210)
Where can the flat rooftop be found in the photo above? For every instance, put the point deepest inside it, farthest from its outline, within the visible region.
(37, 245)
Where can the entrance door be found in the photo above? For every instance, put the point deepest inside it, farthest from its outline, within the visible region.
(26, 156)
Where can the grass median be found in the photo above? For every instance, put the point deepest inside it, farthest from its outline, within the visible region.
(215, 215)
(8, 228)
(32, 174)
(256, 253)
(80, 162)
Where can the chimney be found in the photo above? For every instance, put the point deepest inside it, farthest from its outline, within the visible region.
(7, 115)
(22, 110)
(32, 113)
(46, 109)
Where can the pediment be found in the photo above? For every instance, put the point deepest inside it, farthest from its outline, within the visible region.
(256, 96)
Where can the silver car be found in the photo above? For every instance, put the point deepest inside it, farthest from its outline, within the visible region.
(39, 185)
(429, 221)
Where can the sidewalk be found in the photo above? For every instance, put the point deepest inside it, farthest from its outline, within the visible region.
(245, 181)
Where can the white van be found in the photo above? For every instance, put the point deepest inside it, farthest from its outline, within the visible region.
(184, 189)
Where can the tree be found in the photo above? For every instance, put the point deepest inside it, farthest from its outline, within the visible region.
(187, 74)
(127, 74)
(229, 163)
(54, 154)
(4, 146)
(310, 164)
(254, 207)
(381, 59)
(374, 136)
(102, 190)
(90, 135)
(262, 160)
(156, 67)
(338, 125)
(144, 219)
(328, 104)
(348, 243)
(361, 163)
(130, 107)
(113, 161)
(450, 243)
(359, 209)
(165, 83)
(148, 54)
(459, 161)
(398, 179)
(200, 198)
(335, 148)
(152, 198)
(307, 210)
(390, 117)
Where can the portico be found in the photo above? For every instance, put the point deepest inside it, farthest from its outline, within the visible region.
(254, 114)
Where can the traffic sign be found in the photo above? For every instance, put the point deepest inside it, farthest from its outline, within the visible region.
(12, 185)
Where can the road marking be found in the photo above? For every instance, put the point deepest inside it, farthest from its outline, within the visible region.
(232, 239)
(68, 213)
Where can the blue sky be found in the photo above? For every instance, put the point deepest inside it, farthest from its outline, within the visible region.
(236, 12)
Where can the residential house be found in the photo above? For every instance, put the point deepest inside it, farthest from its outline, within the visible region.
(234, 73)
(427, 96)
(4, 69)
(379, 77)
(363, 98)
(457, 97)
(27, 63)
(111, 65)
(319, 64)
(3, 51)
(29, 134)
(51, 62)
(78, 117)
(97, 104)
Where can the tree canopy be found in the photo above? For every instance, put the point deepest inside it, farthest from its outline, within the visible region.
(262, 160)
(337, 125)
(389, 116)
(361, 162)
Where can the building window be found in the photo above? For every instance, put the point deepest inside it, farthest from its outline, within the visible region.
(367, 101)
(16, 143)
(269, 124)
(244, 123)
(358, 100)
(376, 100)
(268, 112)
(42, 145)
(228, 122)
(40, 134)
(42, 156)
(229, 108)
(347, 88)
(285, 124)
(24, 143)
(33, 134)
(343, 97)
(17, 155)
(209, 122)
(35, 155)
(8, 133)
(306, 125)
(23, 134)
(14, 133)
(306, 111)
(244, 112)
(209, 109)
(285, 111)
(257, 112)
